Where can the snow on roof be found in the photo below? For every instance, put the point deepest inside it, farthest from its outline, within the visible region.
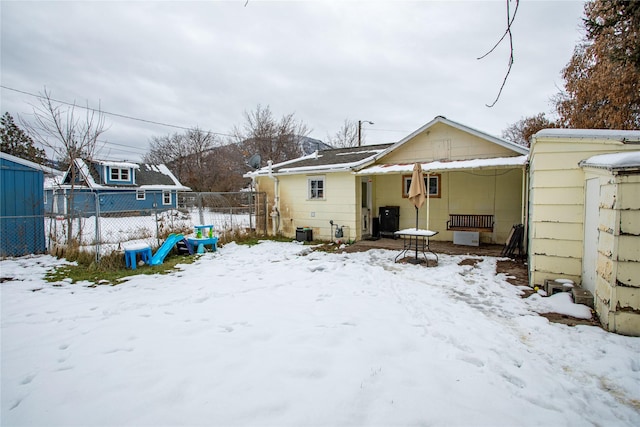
(117, 164)
(30, 164)
(436, 166)
(84, 170)
(619, 135)
(614, 161)
(375, 151)
(325, 167)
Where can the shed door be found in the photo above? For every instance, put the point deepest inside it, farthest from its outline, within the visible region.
(591, 215)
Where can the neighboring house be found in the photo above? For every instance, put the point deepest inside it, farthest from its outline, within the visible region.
(585, 218)
(108, 187)
(469, 172)
(22, 206)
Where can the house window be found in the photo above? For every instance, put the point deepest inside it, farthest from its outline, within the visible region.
(316, 187)
(141, 195)
(166, 197)
(433, 186)
(119, 174)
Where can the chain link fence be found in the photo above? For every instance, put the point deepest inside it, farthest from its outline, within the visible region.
(103, 223)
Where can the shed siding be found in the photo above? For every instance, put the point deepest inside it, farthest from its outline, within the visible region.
(22, 210)
(617, 298)
(557, 203)
(556, 234)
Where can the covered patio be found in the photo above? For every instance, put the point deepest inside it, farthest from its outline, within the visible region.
(491, 187)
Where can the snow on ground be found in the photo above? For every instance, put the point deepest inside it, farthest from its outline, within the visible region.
(278, 335)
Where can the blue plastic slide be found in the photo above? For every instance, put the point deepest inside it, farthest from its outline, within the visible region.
(168, 244)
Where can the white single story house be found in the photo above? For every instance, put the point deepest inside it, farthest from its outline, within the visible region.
(468, 172)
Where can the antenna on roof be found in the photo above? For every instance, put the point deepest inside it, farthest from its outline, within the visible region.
(254, 161)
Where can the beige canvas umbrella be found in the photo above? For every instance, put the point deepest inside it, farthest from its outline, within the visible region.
(417, 195)
(417, 189)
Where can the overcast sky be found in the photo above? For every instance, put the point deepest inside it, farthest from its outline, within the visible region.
(397, 64)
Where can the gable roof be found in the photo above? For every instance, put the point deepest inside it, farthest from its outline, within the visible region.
(441, 119)
(147, 176)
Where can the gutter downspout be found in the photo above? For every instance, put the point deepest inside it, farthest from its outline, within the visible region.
(525, 207)
(275, 212)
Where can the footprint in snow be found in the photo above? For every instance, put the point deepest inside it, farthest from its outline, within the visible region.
(118, 350)
(26, 380)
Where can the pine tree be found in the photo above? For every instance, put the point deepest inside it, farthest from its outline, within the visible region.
(17, 142)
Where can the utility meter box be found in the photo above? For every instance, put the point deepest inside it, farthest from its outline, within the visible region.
(466, 238)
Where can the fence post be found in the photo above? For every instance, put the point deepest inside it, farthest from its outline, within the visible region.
(155, 211)
(98, 232)
(251, 210)
(200, 209)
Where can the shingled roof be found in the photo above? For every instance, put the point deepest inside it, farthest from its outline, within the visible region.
(147, 176)
(324, 160)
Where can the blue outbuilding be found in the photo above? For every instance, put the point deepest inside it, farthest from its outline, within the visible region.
(22, 230)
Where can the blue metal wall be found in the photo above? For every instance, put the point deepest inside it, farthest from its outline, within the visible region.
(21, 210)
(110, 201)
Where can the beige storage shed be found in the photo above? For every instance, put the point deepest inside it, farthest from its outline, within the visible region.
(572, 232)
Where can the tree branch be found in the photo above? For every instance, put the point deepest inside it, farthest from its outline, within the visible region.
(507, 32)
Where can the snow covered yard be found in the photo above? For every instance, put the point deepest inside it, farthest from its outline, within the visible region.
(278, 335)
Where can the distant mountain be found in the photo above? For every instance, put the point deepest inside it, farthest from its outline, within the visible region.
(310, 145)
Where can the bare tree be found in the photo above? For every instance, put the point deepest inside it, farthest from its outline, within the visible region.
(186, 155)
(67, 135)
(346, 136)
(276, 140)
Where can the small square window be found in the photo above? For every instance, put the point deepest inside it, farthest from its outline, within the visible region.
(316, 187)
(166, 197)
(141, 195)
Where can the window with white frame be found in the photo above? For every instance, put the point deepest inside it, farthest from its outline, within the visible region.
(316, 187)
(119, 174)
(141, 195)
(166, 197)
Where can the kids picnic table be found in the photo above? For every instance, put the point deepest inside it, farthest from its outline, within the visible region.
(203, 236)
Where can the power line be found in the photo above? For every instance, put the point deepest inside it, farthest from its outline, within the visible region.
(124, 116)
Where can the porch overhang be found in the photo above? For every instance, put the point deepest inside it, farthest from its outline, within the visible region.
(516, 162)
